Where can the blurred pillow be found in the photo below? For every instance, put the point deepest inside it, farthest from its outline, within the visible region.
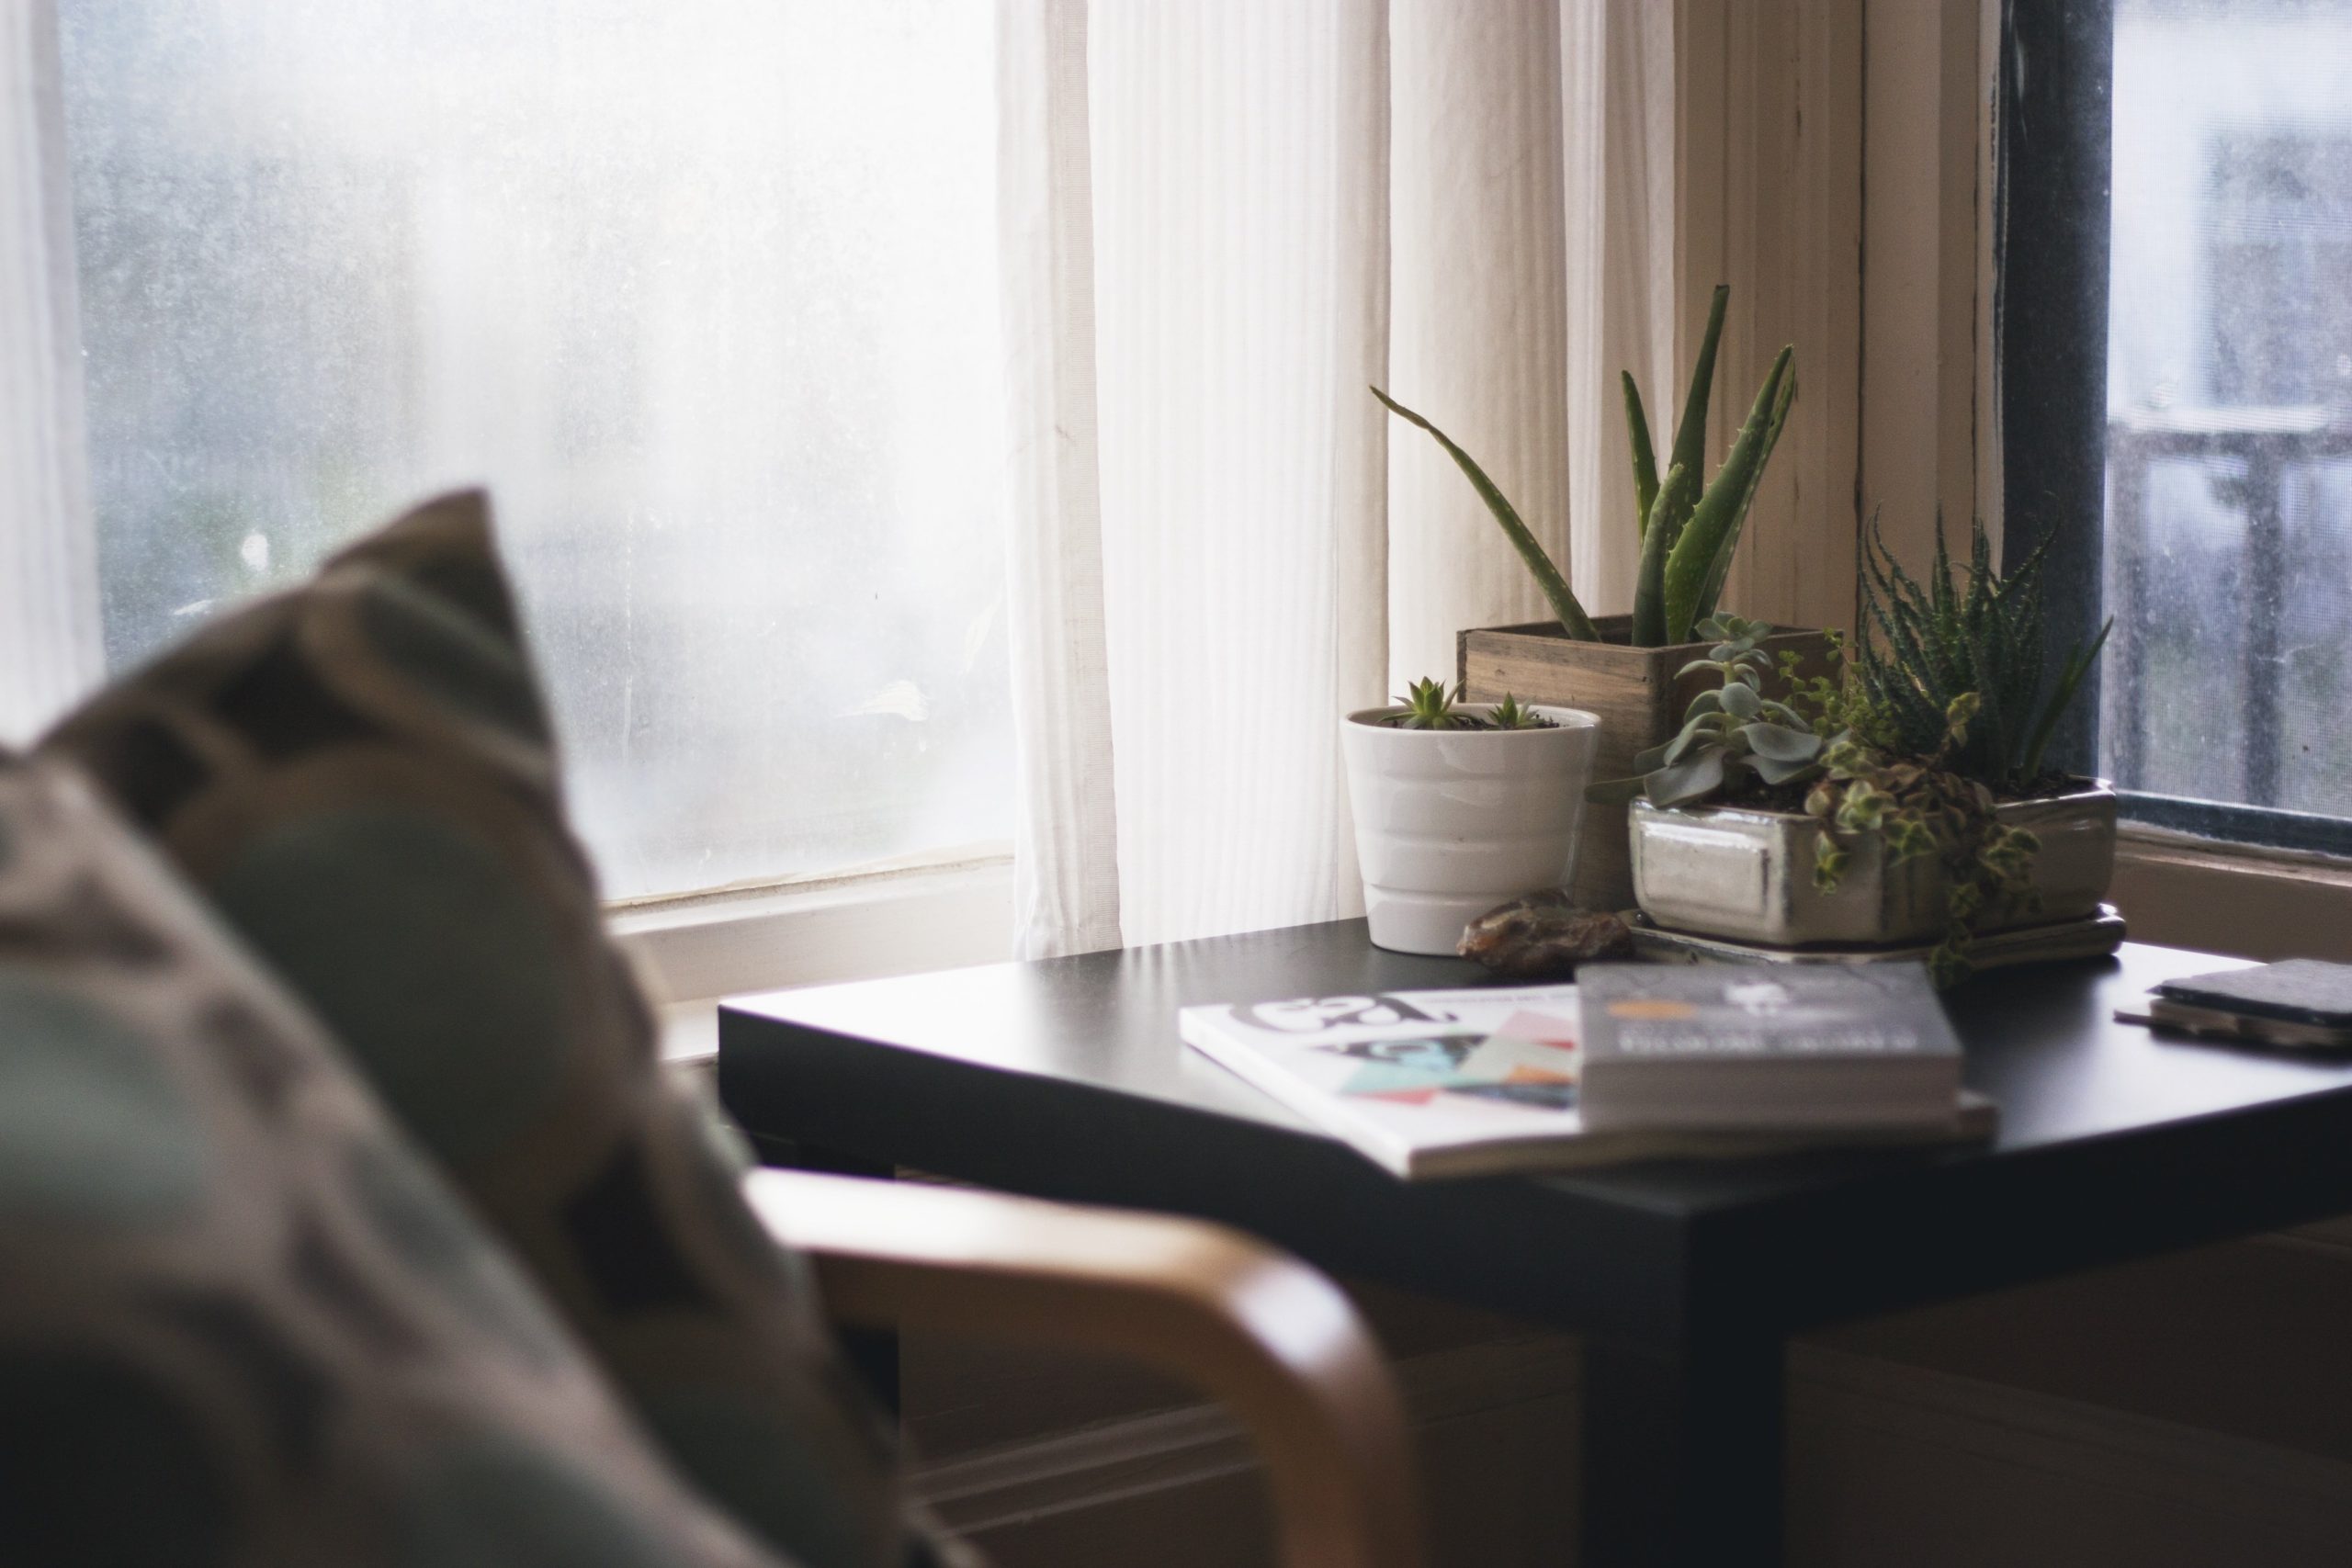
(240, 1321)
(360, 774)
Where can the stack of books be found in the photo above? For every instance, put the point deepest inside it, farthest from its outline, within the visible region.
(1638, 1062)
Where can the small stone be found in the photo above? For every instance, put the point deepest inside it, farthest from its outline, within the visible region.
(1543, 937)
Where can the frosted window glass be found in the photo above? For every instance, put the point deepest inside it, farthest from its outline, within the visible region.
(2229, 541)
(704, 289)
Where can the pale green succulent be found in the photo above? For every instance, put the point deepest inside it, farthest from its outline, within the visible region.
(1728, 732)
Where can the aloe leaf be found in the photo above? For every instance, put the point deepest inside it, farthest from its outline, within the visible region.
(1719, 571)
(2078, 664)
(1637, 431)
(1691, 435)
(1717, 518)
(1573, 620)
(1668, 516)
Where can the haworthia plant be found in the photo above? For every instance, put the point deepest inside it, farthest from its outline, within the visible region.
(1689, 529)
(1926, 645)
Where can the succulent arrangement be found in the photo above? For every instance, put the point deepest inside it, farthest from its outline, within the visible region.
(1428, 705)
(1942, 710)
(1689, 526)
(1921, 805)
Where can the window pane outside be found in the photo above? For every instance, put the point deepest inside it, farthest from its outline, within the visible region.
(704, 289)
(2229, 528)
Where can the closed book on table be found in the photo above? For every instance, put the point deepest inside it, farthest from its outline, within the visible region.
(1782, 1047)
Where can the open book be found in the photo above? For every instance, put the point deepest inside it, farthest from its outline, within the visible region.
(1467, 1083)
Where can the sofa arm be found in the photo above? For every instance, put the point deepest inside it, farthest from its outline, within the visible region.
(1256, 1329)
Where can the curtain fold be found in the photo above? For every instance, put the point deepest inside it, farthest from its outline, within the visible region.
(50, 643)
(1618, 128)
(1479, 285)
(1220, 545)
(1065, 864)
(1239, 280)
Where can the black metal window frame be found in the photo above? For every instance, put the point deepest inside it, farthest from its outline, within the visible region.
(2052, 206)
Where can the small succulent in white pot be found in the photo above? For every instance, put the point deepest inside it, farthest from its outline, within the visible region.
(1460, 806)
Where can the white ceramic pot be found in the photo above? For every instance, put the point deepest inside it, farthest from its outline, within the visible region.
(1452, 822)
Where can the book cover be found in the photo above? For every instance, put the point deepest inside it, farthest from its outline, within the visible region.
(1790, 1045)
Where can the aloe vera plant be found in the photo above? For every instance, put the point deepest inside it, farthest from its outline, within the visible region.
(1688, 526)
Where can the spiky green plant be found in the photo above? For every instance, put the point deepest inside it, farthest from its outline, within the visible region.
(1927, 645)
(1428, 705)
(1689, 529)
(1512, 714)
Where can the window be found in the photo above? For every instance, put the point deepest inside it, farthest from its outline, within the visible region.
(704, 289)
(2223, 306)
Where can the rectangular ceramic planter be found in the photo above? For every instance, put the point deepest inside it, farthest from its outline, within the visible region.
(1635, 693)
(1722, 871)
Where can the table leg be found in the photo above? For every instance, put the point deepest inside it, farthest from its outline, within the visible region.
(1683, 1452)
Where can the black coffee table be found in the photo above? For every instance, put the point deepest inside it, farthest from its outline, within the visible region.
(1064, 1078)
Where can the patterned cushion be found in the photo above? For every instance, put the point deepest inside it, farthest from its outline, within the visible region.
(240, 1321)
(361, 777)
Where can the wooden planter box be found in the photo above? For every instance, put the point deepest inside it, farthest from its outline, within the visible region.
(1634, 691)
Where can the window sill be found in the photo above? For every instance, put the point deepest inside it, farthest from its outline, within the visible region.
(2240, 900)
(936, 912)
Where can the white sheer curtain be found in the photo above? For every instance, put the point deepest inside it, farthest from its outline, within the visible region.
(1617, 84)
(50, 648)
(1222, 220)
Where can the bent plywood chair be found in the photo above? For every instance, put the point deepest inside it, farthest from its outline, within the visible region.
(1273, 1340)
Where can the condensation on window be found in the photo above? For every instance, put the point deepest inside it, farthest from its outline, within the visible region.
(705, 290)
(2229, 533)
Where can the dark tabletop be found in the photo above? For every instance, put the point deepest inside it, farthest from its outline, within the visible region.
(1064, 1078)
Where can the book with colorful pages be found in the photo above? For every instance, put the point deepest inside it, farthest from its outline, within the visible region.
(1434, 1084)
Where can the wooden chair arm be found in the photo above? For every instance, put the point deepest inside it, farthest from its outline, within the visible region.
(1256, 1329)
